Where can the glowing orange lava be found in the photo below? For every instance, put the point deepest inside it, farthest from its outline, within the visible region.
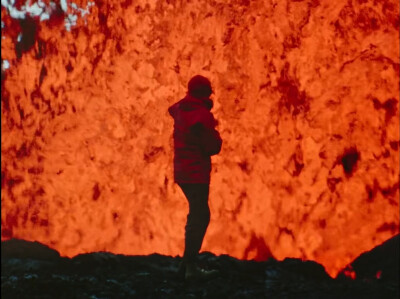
(306, 95)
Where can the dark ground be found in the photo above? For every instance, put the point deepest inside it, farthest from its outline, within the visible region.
(31, 270)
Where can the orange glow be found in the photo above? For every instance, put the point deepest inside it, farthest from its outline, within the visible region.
(349, 272)
(306, 95)
(378, 274)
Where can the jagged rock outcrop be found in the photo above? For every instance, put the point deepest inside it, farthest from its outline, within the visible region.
(35, 271)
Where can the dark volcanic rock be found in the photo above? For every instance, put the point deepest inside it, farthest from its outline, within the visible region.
(22, 249)
(306, 270)
(382, 262)
(35, 271)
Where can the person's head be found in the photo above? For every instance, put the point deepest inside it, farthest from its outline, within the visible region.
(199, 87)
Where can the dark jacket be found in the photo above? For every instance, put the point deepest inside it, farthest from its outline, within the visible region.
(195, 139)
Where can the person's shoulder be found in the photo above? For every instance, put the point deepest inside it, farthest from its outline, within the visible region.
(207, 118)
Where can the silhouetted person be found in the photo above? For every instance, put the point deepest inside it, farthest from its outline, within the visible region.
(195, 141)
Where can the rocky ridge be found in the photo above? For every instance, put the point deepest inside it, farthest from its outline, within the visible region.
(32, 270)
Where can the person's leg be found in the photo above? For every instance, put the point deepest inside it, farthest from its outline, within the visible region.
(198, 219)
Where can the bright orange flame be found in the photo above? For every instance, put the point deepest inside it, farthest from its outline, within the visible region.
(306, 94)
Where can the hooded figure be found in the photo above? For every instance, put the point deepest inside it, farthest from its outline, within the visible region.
(195, 141)
(195, 137)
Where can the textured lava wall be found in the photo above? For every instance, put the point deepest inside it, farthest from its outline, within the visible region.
(306, 94)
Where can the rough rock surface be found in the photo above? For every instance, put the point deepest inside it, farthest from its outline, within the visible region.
(381, 262)
(28, 274)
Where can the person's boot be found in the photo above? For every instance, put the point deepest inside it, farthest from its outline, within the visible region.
(194, 273)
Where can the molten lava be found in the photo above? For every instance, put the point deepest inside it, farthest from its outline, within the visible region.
(306, 95)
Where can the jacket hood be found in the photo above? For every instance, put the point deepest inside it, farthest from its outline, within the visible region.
(190, 103)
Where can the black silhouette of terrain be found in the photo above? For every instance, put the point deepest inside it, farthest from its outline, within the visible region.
(32, 270)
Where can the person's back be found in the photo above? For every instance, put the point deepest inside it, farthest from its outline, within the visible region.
(195, 141)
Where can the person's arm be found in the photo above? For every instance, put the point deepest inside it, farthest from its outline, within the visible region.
(209, 139)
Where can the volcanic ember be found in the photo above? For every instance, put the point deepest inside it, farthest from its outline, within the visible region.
(306, 95)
